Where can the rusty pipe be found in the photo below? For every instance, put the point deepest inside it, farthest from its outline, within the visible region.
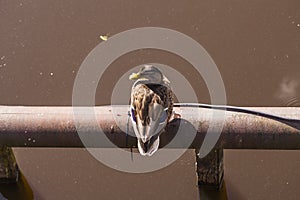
(56, 127)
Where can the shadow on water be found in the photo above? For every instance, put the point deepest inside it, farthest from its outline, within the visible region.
(185, 131)
(207, 193)
(20, 190)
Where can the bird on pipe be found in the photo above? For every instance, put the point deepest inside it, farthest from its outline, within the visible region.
(151, 107)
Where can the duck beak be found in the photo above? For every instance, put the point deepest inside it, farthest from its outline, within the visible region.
(134, 76)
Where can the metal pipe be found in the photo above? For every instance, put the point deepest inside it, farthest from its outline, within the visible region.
(55, 127)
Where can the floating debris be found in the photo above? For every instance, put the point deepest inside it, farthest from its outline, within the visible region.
(2, 58)
(104, 37)
(51, 74)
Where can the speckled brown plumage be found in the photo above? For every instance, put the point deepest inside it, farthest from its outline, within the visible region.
(144, 95)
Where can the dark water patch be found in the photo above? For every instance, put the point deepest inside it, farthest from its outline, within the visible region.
(17, 191)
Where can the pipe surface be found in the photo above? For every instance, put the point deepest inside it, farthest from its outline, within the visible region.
(60, 127)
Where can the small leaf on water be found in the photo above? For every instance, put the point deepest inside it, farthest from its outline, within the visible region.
(104, 37)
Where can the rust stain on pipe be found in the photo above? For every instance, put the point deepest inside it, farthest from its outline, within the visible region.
(55, 127)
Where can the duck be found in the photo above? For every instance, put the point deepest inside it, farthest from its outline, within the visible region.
(151, 106)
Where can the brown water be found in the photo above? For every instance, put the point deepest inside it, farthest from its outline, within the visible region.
(255, 44)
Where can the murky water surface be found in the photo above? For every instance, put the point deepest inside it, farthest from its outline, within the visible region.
(255, 44)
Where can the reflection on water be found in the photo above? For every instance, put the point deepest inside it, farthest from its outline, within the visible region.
(15, 191)
(288, 92)
(206, 193)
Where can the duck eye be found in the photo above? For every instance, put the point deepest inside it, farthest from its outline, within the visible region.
(132, 115)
